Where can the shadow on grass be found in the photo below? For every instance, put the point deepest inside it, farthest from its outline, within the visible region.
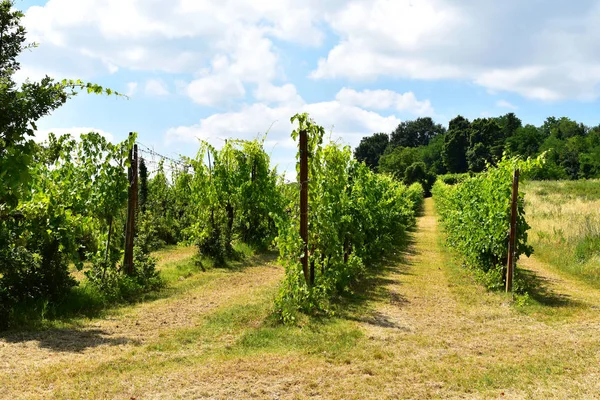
(540, 290)
(378, 287)
(85, 301)
(67, 339)
(241, 261)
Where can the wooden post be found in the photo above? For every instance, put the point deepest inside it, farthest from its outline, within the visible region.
(512, 239)
(131, 210)
(304, 204)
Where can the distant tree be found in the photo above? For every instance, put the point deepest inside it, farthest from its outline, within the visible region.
(525, 142)
(589, 164)
(484, 139)
(371, 148)
(508, 123)
(417, 172)
(431, 155)
(459, 123)
(456, 144)
(415, 133)
(563, 128)
(396, 160)
(570, 158)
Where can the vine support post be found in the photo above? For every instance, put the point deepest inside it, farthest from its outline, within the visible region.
(512, 239)
(131, 210)
(304, 204)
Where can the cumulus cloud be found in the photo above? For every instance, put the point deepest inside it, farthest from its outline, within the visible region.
(214, 90)
(542, 53)
(346, 122)
(156, 87)
(271, 94)
(384, 100)
(173, 36)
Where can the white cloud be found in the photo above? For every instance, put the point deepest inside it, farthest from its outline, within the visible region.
(271, 94)
(506, 104)
(215, 89)
(131, 88)
(542, 53)
(42, 134)
(384, 100)
(180, 36)
(156, 87)
(347, 122)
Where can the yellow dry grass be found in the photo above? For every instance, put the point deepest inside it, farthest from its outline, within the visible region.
(565, 225)
(424, 331)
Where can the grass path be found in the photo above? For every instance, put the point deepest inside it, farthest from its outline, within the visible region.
(422, 329)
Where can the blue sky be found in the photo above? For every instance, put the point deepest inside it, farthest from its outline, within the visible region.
(235, 68)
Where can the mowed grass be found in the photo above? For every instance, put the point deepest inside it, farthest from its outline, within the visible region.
(565, 225)
(420, 328)
(180, 268)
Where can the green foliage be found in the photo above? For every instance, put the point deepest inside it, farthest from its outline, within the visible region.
(476, 216)
(371, 148)
(415, 133)
(396, 161)
(417, 173)
(416, 194)
(355, 217)
(235, 196)
(456, 144)
(54, 200)
(453, 179)
(116, 286)
(78, 189)
(21, 107)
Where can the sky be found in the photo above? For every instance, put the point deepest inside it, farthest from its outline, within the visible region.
(212, 70)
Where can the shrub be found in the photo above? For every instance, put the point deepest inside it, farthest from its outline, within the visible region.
(355, 217)
(476, 217)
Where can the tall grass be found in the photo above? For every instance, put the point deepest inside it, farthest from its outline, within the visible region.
(565, 225)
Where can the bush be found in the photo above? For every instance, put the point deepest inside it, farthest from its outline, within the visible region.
(453, 179)
(115, 286)
(356, 217)
(35, 252)
(416, 194)
(476, 218)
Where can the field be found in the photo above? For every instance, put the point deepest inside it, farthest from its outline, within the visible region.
(565, 225)
(419, 328)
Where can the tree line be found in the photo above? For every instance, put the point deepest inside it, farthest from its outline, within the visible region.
(419, 150)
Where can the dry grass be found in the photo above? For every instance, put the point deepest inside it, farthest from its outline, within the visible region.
(565, 225)
(422, 330)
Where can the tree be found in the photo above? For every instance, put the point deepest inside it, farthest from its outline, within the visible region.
(21, 107)
(484, 139)
(415, 133)
(526, 141)
(509, 124)
(371, 148)
(396, 160)
(563, 128)
(417, 172)
(38, 225)
(456, 144)
(432, 155)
